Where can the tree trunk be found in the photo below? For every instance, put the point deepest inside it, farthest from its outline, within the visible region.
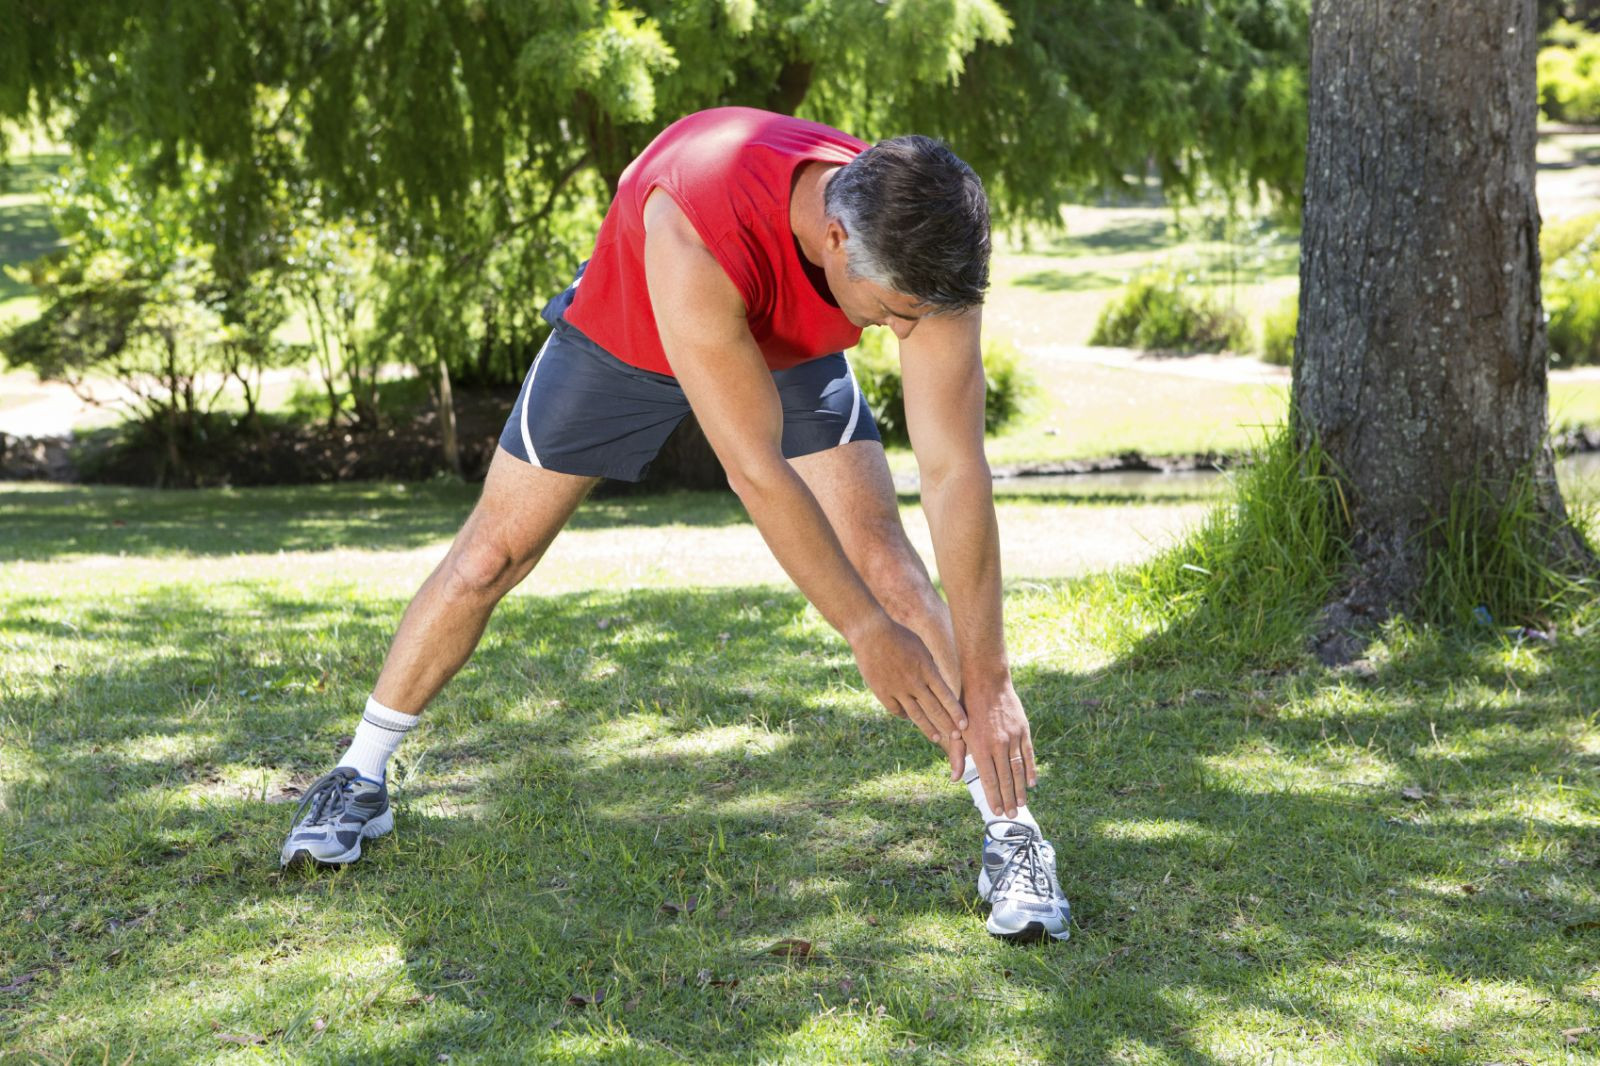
(447, 420)
(1421, 357)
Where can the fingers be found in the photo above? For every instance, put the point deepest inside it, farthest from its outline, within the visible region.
(1006, 779)
(1019, 778)
(991, 783)
(912, 710)
(957, 750)
(947, 699)
(939, 714)
(1031, 771)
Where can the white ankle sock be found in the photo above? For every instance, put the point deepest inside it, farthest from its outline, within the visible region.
(379, 734)
(975, 786)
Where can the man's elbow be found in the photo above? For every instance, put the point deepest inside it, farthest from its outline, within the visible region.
(754, 478)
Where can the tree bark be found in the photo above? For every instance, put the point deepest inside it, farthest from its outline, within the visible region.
(1421, 357)
(447, 420)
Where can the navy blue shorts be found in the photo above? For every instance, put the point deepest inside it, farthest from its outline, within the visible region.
(584, 411)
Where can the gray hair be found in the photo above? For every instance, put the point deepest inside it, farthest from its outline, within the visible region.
(917, 221)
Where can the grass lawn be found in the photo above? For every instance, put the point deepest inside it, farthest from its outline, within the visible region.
(1271, 863)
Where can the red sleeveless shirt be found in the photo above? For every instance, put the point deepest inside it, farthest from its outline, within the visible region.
(729, 170)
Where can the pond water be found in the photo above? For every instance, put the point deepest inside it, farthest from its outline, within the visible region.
(1579, 476)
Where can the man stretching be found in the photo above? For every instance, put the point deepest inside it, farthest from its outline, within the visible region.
(743, 252)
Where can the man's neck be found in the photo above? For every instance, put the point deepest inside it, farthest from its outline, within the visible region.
(808, 216)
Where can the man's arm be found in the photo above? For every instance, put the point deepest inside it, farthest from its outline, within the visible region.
(942, 369)
(701, 320)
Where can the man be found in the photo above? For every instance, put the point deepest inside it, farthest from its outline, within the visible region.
(743, 252)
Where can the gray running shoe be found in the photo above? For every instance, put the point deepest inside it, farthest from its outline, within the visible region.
(340, 809)
(1019, 879)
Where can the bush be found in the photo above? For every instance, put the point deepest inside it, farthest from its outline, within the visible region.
(1569, 75)
(1159, 312)
(1571, 286)
(876, 363)
(1278, 330)
(1559, 238)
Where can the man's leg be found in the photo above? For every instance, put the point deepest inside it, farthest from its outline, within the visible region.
(854, 487)
(521, 510)
(853, 484)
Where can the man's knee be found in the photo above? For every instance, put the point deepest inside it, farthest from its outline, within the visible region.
(895, 572)
(480, 571)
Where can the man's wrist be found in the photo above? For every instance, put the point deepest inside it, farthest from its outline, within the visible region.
(864, 624)
(979, 685)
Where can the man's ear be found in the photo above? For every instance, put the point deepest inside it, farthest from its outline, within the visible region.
(834, 236)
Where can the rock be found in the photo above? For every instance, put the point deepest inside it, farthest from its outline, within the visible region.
(36, 459)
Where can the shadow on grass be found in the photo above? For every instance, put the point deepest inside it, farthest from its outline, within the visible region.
(28, 174)
(25, 234)
(1071, 281)
(55, 522)
(1129, 235)
(62, 521)
(715, 747)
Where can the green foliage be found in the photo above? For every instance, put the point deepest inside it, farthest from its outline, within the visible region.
(1569, 75)
(1560, 237)
(1278, 332)
(1570, 285)
(1244, 585)
(1491, 551)
(876, 364)
(1158, 311)
(137, 296)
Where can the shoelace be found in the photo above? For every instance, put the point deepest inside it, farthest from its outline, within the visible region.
(1026, 860)
(327, 798)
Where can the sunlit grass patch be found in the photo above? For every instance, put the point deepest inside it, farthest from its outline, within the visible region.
(631, 796)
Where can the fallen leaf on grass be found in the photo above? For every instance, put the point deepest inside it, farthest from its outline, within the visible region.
(686, 907)
(1574, 1035)
(581, 1001)
(791, 948)
(1469, 889)
(417, 1001)
(1413, 793)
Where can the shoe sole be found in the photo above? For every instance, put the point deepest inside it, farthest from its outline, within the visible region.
(377, 827)
(1031, 933)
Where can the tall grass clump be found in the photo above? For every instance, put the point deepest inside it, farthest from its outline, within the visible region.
(1161, 311)
(1246, 583)
(876, 364)
(1490, 557)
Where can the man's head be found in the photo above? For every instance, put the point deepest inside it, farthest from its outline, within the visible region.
(911, 219)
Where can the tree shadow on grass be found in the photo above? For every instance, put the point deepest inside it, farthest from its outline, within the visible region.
(83, 520)
(1237, 848)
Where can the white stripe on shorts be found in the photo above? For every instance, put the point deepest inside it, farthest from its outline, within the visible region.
(855, 410)
(527, 397)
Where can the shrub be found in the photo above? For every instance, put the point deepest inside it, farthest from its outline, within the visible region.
(1571, 287)
(1278, 330)
(1569, 75)
(876, 363)
(1159, 312)
(1559, 238)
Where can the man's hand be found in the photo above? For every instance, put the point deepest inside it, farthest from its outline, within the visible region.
(899, 670)
(1001, 746)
